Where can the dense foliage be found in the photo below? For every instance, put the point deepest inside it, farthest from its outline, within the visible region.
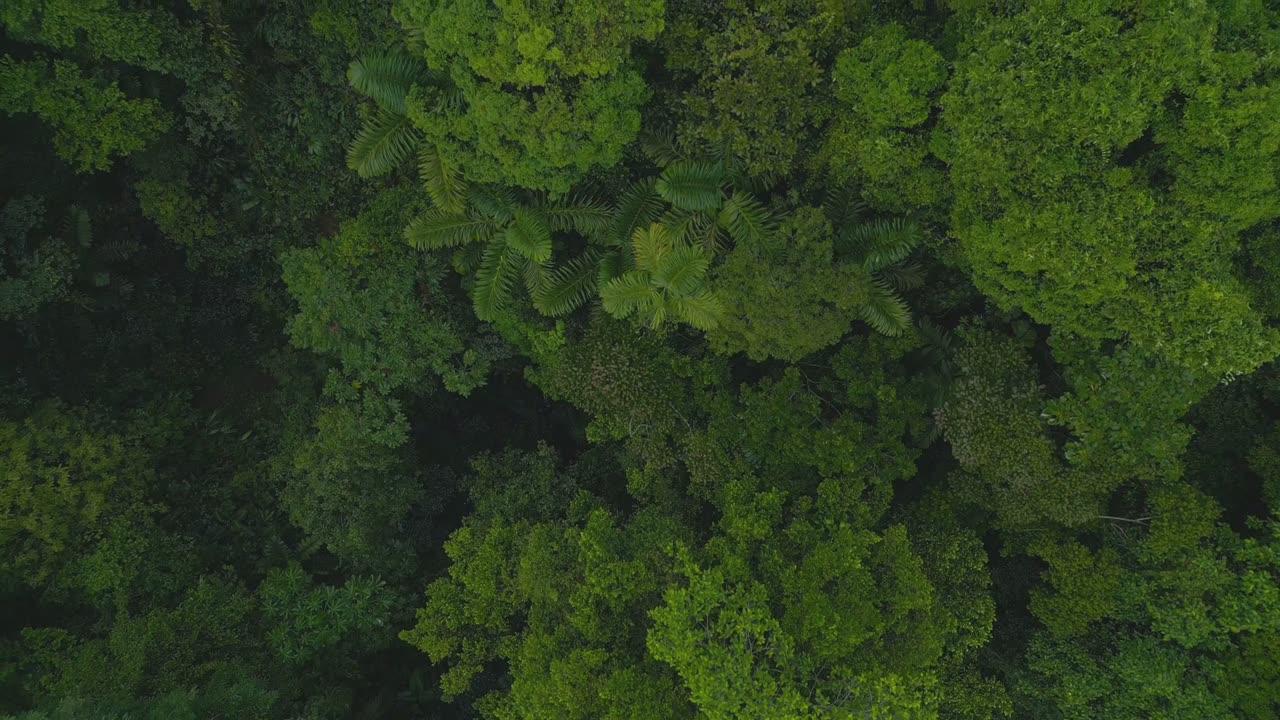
(639, 359)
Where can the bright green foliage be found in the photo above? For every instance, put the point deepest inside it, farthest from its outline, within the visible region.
(307, 620)
(668, 281)
(1168, 616)
(548, 92)
(884, 87)
(382, 309)
(72, 489)
(555, 594)
(1062, 203)
(92, 123)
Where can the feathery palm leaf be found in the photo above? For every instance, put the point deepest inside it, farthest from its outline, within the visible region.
(628, 293)
(529, 235)
(649, 245)
(682, 270)
(883, 242)
(384, 142)
(494, 279)
(498, 203)
(660, 147)
(386, 77)
(843, 208)
(637, 207)
(437, 229)
(569, 286)
(692, 185)
(536, 275)
(581, 213)
(747, 220)
(885, 311)
(904, 277)
(702, 309)
(442, 179)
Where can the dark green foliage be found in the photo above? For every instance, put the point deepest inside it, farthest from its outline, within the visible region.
(639, 360)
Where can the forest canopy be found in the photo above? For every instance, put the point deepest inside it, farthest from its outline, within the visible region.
(639, 359)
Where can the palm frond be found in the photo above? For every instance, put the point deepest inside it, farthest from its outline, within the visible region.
(628, 293)
(884, 311)
(582, 213)
(386, 77)
(467, 258)
(759, 184)
(702, 310)
(436, 228)
(747, 220)
(536, 275)
(904, 277)
(660, 146)
(384, 142)
(612, 264)
(682, 270)
(494, 279)
(637, 206)
(843, 208)
(442, 179)
(570, 286)
(882, 243)
(529, 235)
(649, 245)
(692, 185)
(498, 203)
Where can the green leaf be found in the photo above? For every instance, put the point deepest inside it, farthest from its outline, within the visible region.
(904, 277)
(569, 286)
(498, 203)
(387, 77)
(529, 235)
(494, 279)
(702, 309)
(624, 295)
(536, 275)
(747, 220)
(885, 311)
(637, 207)
(692, 185)
(384, 142)
(437, 229)
(442, 179)
(682, 270)
(660, 147)
(581, 213)
(843, 208)
(649, 245)
(882, 243)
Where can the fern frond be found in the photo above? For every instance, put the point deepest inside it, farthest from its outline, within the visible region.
(638, 206)
(529, 235)
(660, 147)
(569, 286)
(709, 236)
(649, 245)
(494, 279)
(442, 179)
(747, 220)
(702, 310)
(884, 311)
(384, 142)
(581, 213)
(904, 277)
(628, 293)
(682, 270)
(882, 243)
(498, 203)
(692, 185)
(756, 184)
(436, 228)
(387, 77)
